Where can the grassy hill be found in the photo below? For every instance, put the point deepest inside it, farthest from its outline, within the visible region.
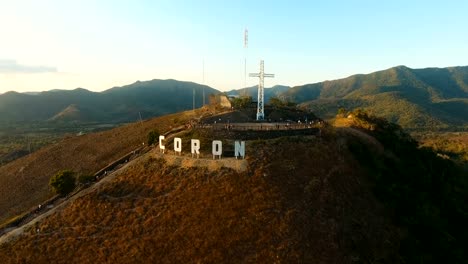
(156, 212)
(414, 98)
(71, 113)
(116, 105)
(364, 193)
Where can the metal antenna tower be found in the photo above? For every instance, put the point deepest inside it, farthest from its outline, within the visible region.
(246, 44)
(261, 75)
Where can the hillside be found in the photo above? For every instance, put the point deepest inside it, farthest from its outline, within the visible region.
(359, 194)
(155, 212)
(116, 105)
(24, 182)
(435, 98)
(71, 113)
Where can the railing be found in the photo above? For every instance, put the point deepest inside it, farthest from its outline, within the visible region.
(257, 127)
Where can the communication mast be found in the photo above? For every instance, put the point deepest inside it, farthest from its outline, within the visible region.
(261, 75)
(246, 44)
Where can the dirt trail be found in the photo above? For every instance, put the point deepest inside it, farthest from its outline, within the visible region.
(19, 230)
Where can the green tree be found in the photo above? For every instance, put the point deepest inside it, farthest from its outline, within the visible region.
(279, 103)
(241, 102)
(63, 182)
(153, 137)
(275, 101)
(342, 112)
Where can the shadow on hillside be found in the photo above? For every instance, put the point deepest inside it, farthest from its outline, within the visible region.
(125, 189)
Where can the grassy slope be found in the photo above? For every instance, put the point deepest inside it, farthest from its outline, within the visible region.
(24, 182)
(453, 145)
(314, 207)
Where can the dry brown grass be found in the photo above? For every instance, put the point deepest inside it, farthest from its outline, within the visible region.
(24, 182)
(314, 206)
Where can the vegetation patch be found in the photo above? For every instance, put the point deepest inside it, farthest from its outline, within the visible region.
(63, 182)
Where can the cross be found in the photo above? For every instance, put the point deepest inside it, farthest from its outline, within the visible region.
(261, 75)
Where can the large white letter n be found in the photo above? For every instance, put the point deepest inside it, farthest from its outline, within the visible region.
(239, 149)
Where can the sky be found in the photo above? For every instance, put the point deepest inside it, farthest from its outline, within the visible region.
(99, 44)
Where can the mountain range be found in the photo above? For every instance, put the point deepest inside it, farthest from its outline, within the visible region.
(434, 98)
(116, 105)
(413, 98)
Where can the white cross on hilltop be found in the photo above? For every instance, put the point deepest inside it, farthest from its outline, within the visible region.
(261, 75)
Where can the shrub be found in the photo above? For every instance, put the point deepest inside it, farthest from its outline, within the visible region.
(153, 137)
(281, 103)
(342, 112)
(241, 102)
(63, 182)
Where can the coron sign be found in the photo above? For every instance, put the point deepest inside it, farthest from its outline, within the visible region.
(216, 147)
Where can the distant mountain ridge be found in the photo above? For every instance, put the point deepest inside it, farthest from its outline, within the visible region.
(118, 104)
(252, 91)
(414, 98)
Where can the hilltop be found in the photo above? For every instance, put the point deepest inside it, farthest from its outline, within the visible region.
(24, 181)
(431, 98)
(362, 193)
(157, 212)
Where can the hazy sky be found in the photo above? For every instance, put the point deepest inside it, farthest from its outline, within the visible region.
(99, 44)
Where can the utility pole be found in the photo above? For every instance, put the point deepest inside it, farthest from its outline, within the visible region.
(246, 44)
(193, 99)
(203, 82)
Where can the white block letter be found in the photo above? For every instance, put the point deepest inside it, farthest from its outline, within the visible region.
(217, 149)
(239, 149)
(178, 145)
(161, 146)
(195, 147)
